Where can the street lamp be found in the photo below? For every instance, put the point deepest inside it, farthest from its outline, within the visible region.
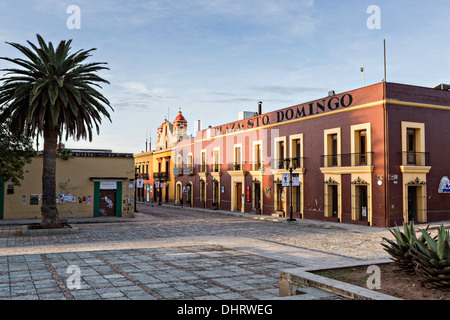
(289, 167)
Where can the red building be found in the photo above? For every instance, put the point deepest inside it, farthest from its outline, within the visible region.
(376, 156)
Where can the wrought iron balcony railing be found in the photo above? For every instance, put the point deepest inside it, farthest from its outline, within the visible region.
(347, 160)
(286, 163)
(416, 158)
(161, 176)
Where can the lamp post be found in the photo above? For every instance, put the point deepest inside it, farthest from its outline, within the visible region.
(289, 167)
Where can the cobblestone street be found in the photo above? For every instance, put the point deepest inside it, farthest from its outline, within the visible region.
(174, 253)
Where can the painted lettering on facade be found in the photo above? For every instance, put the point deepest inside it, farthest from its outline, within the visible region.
(293, 113)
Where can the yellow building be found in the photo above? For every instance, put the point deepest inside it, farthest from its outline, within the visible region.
(143, 164)
(163, 178)
(157, 168)
(90, 183)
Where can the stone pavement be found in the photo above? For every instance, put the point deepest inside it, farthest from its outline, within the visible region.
(168, 252)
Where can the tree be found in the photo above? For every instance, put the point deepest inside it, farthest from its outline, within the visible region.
(15, 152)
(52, 93)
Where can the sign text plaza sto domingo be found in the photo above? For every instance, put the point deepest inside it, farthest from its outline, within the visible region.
(370, 156)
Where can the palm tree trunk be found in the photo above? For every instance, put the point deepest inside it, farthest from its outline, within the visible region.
(50, 217)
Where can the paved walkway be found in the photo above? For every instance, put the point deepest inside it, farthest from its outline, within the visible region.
(168, 252)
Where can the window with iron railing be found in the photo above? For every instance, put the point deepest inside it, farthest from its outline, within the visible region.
(257, 162)
(237, 159)
(347, 160)
(202, 168)
(286, 163)
(216, 164)
(161, 176)
(413, 145)
(417, 158)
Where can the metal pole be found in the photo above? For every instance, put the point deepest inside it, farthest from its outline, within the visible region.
(160, 192)
(135, 188)
(364, 75)
(384, 47)
(290, 188)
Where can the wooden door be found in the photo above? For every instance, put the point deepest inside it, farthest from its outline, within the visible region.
(239, 196)
(107, 202)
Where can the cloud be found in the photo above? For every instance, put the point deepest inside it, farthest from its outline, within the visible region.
(264, 17)
(230, 100)
(138, 87)
(137, 97)
(285, 90)
(282, 17)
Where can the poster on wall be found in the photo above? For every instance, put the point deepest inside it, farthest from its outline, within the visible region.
(295, 180)
(34, 199)
(285, 179)
(364, 211)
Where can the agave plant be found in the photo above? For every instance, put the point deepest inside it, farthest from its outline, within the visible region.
(432, 259)
(401, 247)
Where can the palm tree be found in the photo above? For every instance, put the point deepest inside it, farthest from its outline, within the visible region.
(53, 92)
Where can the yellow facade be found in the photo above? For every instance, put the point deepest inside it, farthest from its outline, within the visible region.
(143, 164)
(80, 184)
(163, 163)
(160, 169)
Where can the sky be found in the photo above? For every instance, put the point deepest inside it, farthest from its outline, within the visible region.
(212, 59)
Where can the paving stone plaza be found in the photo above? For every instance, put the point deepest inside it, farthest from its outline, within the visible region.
(173, 253)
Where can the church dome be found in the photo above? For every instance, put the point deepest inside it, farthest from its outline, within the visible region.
(160, 129)
(179, 120)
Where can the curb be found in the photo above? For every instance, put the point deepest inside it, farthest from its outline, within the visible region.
(294, 280)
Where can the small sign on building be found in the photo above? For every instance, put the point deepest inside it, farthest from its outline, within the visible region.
(107, 185)
(444, 185)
